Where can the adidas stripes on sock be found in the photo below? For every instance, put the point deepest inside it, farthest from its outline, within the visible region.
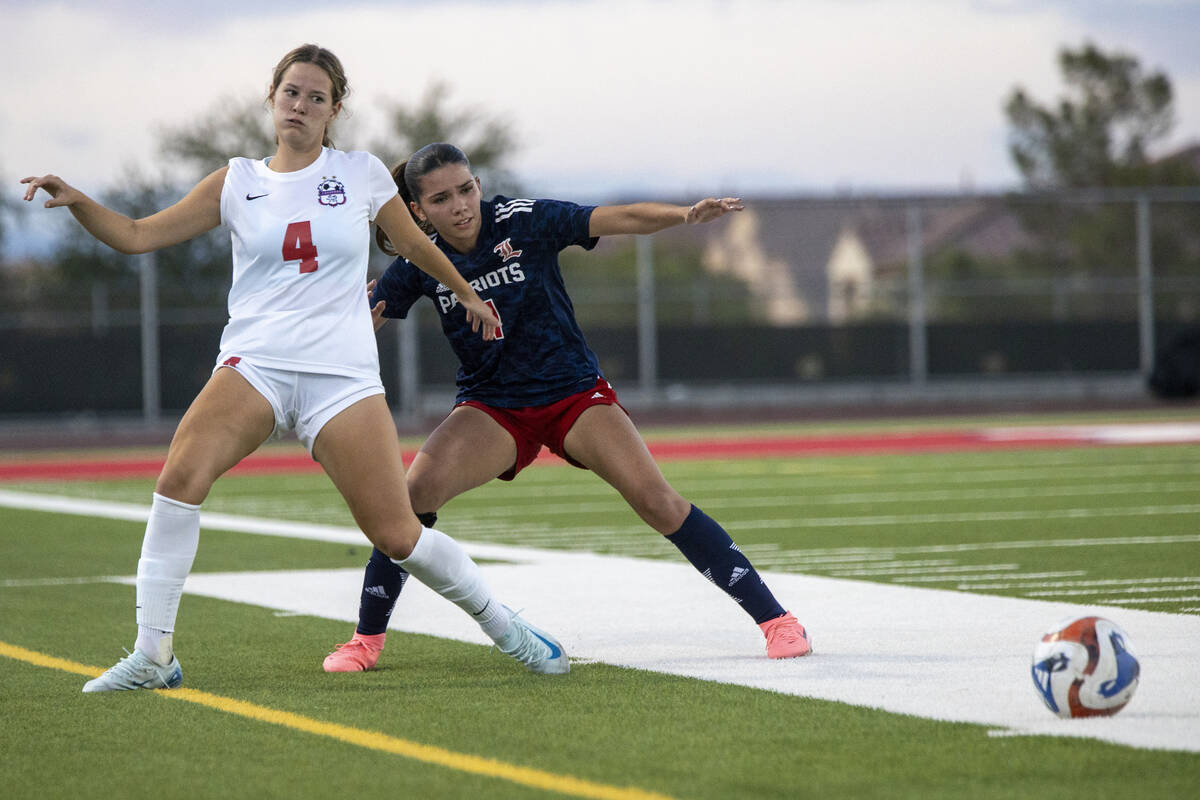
(168, 549)
(382, 583)
(440, 563)
(708, 547)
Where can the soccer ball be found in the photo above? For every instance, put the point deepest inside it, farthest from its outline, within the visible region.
(1084, 667)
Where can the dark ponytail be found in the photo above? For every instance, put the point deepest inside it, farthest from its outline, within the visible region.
(408, 177)
(381, 238)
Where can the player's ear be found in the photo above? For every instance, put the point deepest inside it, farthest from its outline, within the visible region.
(416, 211)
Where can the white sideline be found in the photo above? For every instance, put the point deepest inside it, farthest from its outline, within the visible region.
(931, 653)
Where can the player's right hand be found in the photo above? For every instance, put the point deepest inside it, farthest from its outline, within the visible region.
(61, 193)
(481, 317)
(377, 318)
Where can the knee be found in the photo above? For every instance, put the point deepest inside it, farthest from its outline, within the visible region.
(186, 486)
(662, 508)
(425, 491)
(398, 541)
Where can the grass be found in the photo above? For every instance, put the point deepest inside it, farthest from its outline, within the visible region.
(1115, 513)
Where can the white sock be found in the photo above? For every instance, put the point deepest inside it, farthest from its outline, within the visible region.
(440, 563)
(168, 549)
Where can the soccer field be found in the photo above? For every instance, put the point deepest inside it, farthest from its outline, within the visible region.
(926, 565)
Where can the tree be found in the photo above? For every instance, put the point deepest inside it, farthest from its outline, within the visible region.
(9, 207)
(197, 273)
(231, 128)
(487, 140)
(192, 273)
(4, 203)
(1100, 133)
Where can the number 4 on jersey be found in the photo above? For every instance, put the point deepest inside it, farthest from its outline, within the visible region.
(298, 246)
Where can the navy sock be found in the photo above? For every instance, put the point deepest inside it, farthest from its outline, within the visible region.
(382, 584)
(710, 550)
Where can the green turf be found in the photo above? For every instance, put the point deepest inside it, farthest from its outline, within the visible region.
(890, 516)
(674, 735)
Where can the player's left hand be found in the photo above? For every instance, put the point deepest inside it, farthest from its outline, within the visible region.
(377, 318)
(711, 208)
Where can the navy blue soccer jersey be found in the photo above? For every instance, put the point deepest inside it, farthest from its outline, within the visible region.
(541, 356)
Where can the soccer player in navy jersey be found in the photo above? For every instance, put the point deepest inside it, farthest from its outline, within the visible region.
(537, 383)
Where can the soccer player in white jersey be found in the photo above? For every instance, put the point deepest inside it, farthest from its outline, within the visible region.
(298, 353)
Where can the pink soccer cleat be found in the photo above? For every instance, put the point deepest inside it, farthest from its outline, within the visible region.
(786, 638)
(356, 655)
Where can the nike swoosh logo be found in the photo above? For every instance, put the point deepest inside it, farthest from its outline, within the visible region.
(554, 651)
(156, 679)
(256, 196)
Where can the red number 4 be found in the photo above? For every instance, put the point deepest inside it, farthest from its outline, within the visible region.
(298, 246)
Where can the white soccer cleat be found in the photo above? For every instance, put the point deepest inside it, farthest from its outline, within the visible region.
(137, 671)
(537, 650)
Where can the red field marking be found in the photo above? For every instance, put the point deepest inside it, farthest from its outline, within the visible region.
(745, 447)
(114, 468)
(928, 442)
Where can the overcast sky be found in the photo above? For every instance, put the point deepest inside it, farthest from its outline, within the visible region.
(608, 98)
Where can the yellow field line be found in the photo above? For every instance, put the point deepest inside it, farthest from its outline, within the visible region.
(462, 762)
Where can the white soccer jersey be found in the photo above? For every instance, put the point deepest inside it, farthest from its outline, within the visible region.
(300, 246)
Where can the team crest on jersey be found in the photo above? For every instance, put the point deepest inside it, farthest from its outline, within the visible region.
(505, 249)
(331, 192)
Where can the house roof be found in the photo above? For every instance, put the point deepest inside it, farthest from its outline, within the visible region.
(802, 232)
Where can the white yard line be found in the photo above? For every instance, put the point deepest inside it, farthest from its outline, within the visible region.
(930, 653)
(1186, 587)
(499, 508)
(1131, 433)
(1026, 584)
(1150, 600)
(958, 518)
(998, 516)
(964, 581)
(17, 583)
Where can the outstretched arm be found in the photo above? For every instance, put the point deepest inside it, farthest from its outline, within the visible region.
(653, 217)
(412, 244)
(197, 212)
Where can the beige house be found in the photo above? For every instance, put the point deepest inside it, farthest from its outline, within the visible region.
(816, 262)
(874, 247)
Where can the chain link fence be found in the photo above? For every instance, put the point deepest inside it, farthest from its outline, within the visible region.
(796, 300)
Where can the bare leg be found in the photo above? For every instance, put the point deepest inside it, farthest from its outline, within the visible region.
(605, 441)
(467, 450)
(226, 422)
(359, 450)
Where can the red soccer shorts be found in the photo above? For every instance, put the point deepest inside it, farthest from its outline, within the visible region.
(533, 427)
